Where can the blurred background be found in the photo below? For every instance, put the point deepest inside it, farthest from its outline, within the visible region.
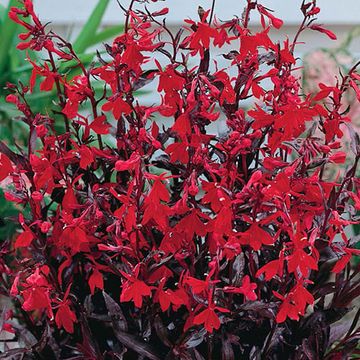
(67, 16)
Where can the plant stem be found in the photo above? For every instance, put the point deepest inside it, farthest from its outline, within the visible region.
(212, 11)
(128, 16)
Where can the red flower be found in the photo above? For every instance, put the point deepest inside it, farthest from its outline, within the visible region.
(255, 236)
(338, 158)
(294, 304)
(99, 125)
(247, 289)
(276, 22)
(197, 286)
(5, 167)
(271, 269)
(24, 239)
(118, 106)
(327, 32)
(96, 281)
(134, 290)
(36, 293)
(344, 260)
(202, 34)
(169, 297)
(74, 238)
(65, 318)
(209, 318)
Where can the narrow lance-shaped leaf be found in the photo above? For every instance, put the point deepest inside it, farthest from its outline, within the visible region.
(89, 30)
(106, 34)
(7, 34)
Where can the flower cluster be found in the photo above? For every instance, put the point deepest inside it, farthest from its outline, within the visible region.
(202, 244)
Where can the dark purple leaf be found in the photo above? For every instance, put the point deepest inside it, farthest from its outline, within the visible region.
(117, 317)
(227, 351)
(195, 339)
(161, 331)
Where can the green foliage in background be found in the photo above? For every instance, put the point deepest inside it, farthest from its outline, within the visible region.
(14, 68)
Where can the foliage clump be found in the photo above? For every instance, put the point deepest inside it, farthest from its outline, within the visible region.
(142, 240)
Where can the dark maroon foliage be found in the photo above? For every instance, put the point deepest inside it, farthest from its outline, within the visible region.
(143, 240)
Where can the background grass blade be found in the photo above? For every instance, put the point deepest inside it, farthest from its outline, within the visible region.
(2, 14)
(7, 34)
(107, 33)
(88, 32)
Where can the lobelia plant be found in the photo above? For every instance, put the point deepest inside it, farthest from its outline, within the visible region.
(175, 243)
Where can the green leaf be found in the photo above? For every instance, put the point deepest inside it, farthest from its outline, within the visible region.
(85, 59)
(88, 32)
(106, 34)
(7, 213)
(21, 69)
(7, 34)
(2, 14)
